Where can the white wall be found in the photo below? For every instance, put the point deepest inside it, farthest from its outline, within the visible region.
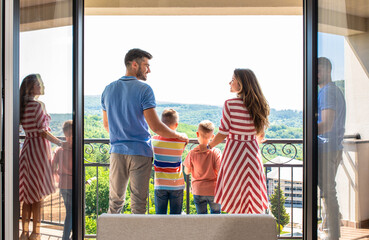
(352, 182)
(352, 176)
(357, 86)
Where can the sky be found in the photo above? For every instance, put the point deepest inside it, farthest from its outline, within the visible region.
(193, 57)
(331, 47)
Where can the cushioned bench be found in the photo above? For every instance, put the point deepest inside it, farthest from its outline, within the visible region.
(191, 227)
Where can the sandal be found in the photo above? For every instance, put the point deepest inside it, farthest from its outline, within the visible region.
(24, 235)
(35, 236)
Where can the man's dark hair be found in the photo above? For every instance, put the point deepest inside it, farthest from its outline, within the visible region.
(325, 62)
(137, 55)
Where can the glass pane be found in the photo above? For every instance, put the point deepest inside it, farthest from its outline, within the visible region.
(343, 64)
(45, 162)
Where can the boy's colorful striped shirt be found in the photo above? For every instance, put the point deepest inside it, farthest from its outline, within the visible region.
(168, 163)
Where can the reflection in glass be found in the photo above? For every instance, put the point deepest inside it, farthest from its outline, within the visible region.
(35, 173)
(63, 169)
(46, 47)
(331, 128)
(343, 39)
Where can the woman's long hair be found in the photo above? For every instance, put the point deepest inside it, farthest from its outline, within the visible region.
(253, 98)
(25, 91)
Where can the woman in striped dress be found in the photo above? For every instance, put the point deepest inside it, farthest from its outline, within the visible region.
(241, 185)
(35, 173)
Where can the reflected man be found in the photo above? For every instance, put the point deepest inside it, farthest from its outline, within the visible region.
(331, 129)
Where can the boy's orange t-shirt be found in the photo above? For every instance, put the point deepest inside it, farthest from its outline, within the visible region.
(204, 167)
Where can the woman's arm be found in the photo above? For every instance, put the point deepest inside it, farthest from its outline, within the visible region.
(49, 136)
(260, 137)
(217, 139)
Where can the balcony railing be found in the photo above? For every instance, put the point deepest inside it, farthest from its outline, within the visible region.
(288, 148)
(97, 159)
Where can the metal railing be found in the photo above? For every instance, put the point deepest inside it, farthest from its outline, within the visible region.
(97, 156)
(291, 149)
(269, 149)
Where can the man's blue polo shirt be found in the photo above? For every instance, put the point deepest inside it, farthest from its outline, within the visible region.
(124, 102)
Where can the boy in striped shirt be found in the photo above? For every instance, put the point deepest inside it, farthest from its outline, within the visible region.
(169, 181)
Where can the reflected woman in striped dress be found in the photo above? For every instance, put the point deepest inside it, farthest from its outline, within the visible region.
(241, 184)
(35, 173)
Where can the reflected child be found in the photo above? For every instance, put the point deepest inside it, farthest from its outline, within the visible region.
(63, 169)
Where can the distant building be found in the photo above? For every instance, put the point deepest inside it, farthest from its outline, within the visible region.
(291, 179)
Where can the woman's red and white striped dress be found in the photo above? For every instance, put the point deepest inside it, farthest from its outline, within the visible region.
(35, 173)
(241, 185)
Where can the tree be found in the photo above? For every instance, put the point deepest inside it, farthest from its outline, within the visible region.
(277, 200)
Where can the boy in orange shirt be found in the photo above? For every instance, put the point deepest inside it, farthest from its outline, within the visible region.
(204, 166)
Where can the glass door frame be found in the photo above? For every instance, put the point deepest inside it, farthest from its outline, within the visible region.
(77, 113)
(310, 131)
(2, 163)
(15, 75)
(78, 120)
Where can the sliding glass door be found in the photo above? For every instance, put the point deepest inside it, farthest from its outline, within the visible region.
(336, 132)
(343, 135)
(49, 93)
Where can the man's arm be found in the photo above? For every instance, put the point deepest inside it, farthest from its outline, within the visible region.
(105, 121)
(160, 128)
(327, 116)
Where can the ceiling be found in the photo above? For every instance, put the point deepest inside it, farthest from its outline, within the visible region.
(358, 8)
(344, 17)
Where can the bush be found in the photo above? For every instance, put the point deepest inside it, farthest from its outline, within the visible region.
(90, 224)
(90, 191)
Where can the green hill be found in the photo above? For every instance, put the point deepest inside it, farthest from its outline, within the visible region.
(283, 123)
(192, 114)
(57, 121)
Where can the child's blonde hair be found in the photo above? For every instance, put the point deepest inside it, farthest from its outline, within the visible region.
(67, 126)
(253, 98)
(169, 116)
(206, 127)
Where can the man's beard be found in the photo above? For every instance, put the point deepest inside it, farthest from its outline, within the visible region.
(140, 74)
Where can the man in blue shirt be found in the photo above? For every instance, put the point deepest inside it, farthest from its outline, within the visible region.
(128, 111)
(331, 129)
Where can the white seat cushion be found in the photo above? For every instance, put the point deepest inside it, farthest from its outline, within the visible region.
(191, 227)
